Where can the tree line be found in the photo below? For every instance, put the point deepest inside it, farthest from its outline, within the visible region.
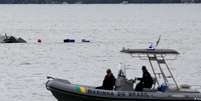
(93, 1)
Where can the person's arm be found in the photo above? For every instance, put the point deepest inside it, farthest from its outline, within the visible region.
(138, 78)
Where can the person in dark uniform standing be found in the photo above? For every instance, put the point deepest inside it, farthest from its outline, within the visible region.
(109, 81)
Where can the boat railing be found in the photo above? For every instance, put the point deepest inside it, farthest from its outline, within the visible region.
(144, 56)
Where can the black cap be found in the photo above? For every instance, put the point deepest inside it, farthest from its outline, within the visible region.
(108, 71)
(144, 67)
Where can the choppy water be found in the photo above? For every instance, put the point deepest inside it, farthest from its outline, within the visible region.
(24, 67)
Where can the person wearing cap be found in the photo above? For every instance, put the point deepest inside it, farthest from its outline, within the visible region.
(109, 81)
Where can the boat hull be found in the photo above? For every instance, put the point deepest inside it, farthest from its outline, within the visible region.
(64, 91)
(67, 96)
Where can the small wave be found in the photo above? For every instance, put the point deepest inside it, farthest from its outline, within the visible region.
(25, 63)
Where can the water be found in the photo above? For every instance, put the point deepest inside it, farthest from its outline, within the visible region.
(24, 67)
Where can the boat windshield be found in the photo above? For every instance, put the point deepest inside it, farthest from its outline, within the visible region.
(122, 70)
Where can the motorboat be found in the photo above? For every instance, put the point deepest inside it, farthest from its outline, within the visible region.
(11, 39)
(85, 40)
(165, 87)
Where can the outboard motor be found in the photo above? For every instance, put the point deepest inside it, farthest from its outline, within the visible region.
(122, 83)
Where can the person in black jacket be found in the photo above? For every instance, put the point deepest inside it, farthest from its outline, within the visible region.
(108, 82)
(146, 81)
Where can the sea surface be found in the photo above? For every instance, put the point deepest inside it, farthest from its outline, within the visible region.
(110, 27)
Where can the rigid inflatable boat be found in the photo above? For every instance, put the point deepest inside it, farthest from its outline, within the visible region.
(165, 87)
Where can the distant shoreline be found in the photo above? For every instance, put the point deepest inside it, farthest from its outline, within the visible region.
(96, 1)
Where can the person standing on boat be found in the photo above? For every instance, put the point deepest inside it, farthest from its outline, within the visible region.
(109, 81)
(146, 81)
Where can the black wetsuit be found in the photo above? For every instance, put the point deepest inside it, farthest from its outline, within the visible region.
(145, 82)
(109, 82)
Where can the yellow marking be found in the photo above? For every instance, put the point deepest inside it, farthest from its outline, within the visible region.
(83, 90)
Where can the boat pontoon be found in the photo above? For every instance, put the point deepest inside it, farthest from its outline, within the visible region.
(165, 87)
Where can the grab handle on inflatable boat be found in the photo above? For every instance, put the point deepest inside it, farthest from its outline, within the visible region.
(50, 77)
(46, 84)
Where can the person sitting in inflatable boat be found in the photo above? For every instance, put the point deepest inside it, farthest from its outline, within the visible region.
(108, 82)
(146, 81)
